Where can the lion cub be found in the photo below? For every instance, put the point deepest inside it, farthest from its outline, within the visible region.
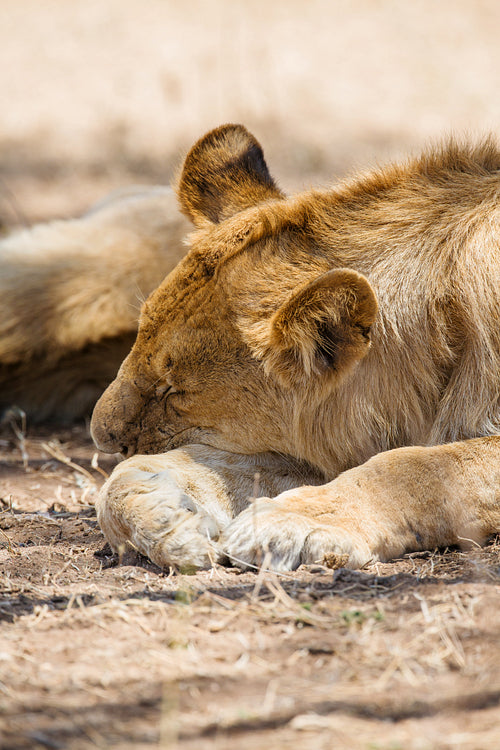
(335, 354)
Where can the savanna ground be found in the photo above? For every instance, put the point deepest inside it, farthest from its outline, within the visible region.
(97, 651)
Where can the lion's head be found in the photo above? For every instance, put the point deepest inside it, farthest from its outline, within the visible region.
(253, 326)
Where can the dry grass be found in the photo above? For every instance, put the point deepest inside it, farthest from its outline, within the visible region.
(100, 654)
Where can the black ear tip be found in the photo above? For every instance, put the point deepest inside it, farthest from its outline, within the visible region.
(235, 147)
(219, 148)
(224, 172)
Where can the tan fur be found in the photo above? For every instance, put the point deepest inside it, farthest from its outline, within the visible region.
(223, 173)
(324, 329)
(70, 292)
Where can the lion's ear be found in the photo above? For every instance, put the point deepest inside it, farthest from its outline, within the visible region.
(322, 330)
(225, 172)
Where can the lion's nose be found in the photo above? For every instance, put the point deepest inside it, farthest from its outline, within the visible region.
(105, 440)
(114, 423)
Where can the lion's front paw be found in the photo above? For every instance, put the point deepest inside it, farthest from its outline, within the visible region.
(152, 513)
(286, 539)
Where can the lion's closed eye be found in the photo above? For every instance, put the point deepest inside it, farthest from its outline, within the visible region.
(163, 390)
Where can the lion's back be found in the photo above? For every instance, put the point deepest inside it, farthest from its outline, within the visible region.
(70, 294)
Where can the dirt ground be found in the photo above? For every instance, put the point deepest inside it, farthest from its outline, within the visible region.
(97, 652)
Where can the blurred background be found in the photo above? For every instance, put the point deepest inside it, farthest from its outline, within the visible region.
(98, 94)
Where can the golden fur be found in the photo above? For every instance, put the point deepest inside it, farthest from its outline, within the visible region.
(310, 334)
(70, 292)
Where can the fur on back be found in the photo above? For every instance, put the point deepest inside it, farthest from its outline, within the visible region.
(70, 295)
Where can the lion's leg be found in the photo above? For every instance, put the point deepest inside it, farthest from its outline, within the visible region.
(173, 506)
(403, 500)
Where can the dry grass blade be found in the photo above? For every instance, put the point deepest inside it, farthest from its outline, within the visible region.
(261, 576)
(95, 465)
(12, 550)
(55, 450)
(10, 418)
(471, 542)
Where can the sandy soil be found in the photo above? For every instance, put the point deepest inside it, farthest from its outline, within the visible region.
(99, 652)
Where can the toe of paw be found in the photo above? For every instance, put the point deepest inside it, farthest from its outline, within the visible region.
(186, 553)
(334, 548)
(254, 547)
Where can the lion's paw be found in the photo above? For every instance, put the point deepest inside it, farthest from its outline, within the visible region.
(266, 531)
(150, 512)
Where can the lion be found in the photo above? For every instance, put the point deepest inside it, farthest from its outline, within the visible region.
(318, 379)
(70, 292)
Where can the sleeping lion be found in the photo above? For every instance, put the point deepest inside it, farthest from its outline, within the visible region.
(317, 380)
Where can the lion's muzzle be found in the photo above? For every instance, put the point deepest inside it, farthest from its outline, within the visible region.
(114, 425)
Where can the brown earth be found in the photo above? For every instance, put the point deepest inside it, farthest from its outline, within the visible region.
(98, 652)
(106, 653)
